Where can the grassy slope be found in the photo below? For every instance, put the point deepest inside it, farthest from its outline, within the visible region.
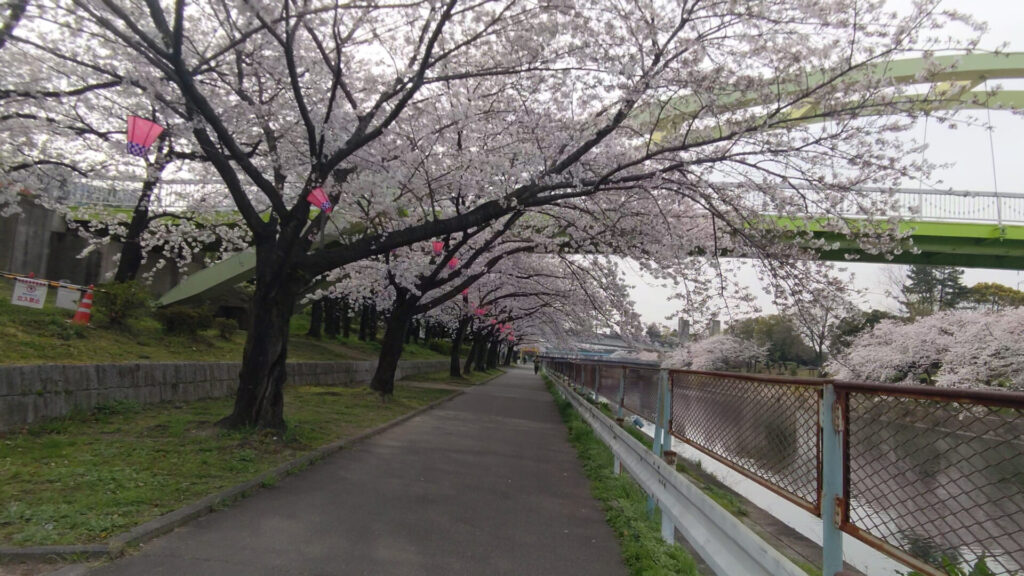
(33, 336)
(87, 477)
(625, 505)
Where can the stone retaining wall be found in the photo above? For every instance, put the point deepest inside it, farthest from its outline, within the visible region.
(32, 393)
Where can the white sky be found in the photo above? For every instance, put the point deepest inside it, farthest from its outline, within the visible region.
(968, 149)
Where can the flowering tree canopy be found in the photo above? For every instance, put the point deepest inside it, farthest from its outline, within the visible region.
(721, 352)
(962, 349)
(425, 119)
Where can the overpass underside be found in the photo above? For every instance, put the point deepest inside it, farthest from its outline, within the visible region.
(961, 244)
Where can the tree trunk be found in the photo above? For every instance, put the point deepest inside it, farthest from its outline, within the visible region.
(131, 251)
(316, 317)
(332, 318)
(508, 354)
(409, 330)
(471, 357)
(383, 381)
(371, 332)
(455, 369)
(364, 321)
(260, 398)
(346, 319)
(492, 355)
(480, 363)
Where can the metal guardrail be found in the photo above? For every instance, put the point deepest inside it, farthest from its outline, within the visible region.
(726, 544)
(924, 475)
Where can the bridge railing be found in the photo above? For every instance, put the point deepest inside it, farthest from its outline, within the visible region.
(925, 475)
(917, 204)
(921, 204)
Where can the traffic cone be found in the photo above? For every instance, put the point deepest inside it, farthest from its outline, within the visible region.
(84, 311)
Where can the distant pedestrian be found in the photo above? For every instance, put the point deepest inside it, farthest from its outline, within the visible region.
(536, 367)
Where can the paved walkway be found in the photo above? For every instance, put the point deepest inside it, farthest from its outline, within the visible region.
(484, 484)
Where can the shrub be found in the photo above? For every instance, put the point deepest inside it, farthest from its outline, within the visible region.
(442, 346)
(120, 302)
(225, 327)
(185, 320)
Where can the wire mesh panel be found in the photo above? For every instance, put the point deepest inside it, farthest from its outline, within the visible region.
(641, 397)
(765, 430)
(608, 383)
(592, 372)
(939, 480)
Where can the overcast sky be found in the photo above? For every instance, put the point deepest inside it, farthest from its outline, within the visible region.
(968, 149)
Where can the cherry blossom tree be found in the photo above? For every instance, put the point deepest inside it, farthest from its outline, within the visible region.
(817, 308)
(694, 104)
(65, 127)
(964, 349)
(721, 352)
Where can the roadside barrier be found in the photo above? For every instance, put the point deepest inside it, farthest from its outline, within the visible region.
(928, 476)
(84, 312)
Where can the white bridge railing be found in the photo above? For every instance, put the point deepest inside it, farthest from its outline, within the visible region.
(919, 204)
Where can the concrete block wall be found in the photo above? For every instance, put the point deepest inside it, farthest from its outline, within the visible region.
(32, 393)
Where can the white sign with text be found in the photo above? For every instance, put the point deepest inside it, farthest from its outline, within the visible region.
(31, 293)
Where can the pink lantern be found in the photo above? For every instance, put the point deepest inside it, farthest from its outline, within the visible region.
(437, 246)
(494, 321)
(465, 292)
(453, 263)
(511, 338)
(481, 311)
(317, 197)
(141, 135)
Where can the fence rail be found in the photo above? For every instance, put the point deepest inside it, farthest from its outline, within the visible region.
(927, 476)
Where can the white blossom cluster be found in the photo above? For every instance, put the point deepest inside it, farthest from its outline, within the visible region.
(959, 349)
(717, 353)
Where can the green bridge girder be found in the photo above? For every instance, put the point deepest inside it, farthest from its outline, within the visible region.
(951, 88)
(973, 245)
(961, 244)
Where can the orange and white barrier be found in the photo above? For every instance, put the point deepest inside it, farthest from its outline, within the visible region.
(84, 312)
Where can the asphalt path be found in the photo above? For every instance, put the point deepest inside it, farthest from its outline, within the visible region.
(486, 484)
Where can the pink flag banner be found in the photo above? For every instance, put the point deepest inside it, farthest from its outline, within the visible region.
(141, 135)
(317, 197)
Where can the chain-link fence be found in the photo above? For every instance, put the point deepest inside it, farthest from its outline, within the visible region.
(936, 477)
(931, 477)
(766, 430)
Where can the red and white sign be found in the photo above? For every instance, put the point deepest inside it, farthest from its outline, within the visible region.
(31, 293)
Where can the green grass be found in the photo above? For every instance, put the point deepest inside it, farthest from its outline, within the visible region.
(33, 336)
(464, 380)
(84, 478)
(710, 486)
(624, 503)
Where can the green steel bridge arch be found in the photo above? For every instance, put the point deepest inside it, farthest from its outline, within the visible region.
(986, 230)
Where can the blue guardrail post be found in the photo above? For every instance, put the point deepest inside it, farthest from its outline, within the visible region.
(831, 482)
